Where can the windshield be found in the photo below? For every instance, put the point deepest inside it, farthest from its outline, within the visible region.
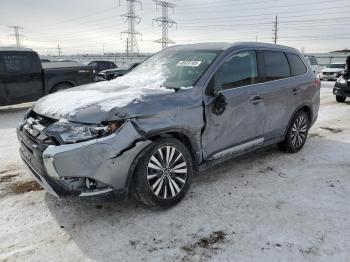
(336, 66)
(179, 68)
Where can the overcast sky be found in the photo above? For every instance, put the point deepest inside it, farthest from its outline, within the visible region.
(85, 26)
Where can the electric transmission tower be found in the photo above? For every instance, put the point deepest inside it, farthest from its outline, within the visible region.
(164, 22)
(16, 34)
(132, 19)
(275, 30)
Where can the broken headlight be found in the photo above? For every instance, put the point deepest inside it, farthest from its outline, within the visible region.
(68, 132)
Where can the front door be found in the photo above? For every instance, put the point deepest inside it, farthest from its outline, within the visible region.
(240, 125)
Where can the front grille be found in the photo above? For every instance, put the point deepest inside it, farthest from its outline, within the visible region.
(33, 129)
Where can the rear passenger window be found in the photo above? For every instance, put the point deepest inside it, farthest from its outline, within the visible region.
(276, 65)
(297, 66)
(239, 70)
(19, 63)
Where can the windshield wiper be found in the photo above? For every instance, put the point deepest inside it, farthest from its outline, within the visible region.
(171, 87)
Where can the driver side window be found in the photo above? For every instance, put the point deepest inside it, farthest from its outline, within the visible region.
(239, 70)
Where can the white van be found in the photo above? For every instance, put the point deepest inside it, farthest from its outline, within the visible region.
(312, 60)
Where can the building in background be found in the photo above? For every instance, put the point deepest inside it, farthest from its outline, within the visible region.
(332, 57)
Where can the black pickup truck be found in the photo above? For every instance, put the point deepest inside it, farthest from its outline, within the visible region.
(110, 74)
(23, 78)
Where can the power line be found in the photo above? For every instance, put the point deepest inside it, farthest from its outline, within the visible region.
(16, 34)
(132, 19)
(275, 30)
(218, 19)
(76, 18)
(229, 17)
(164, 22)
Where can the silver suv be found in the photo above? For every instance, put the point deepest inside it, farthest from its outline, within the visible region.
(185, 109)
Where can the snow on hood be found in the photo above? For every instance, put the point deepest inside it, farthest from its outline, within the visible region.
(107, 95)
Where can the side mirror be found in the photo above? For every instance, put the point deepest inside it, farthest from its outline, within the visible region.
(219, 104)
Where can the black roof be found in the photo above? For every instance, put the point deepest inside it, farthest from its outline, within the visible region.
(9, 48)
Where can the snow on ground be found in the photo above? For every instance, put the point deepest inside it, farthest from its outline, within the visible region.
(265, 206)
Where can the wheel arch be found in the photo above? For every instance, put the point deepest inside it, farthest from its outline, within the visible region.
(175, 133)
(307, 108)
(54, 86)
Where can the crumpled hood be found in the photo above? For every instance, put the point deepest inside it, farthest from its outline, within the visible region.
(104, 101)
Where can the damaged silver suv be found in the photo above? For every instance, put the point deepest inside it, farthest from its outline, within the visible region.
(183, 110)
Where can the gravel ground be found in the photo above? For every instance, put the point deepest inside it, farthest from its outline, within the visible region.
(265, 206)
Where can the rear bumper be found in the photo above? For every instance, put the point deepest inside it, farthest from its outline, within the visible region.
(62, 170)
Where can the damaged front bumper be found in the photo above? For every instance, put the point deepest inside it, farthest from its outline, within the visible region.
(88, 168)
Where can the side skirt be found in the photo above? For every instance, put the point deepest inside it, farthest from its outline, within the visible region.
(211, 162)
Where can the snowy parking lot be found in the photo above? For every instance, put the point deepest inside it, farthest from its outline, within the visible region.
(264, 206)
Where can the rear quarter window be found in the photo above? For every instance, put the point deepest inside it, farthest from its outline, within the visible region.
(297, 67)
(276, 65)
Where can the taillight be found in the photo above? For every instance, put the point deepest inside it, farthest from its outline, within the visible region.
(318, 82)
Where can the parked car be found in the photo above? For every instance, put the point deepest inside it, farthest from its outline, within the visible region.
(110, 74)
(102, 65)
(312, 60)
(22, 78)
(187, 108)
(332, 71)
(341, 88)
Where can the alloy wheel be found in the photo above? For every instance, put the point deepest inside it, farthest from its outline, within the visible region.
(299, 131)
(167, 172)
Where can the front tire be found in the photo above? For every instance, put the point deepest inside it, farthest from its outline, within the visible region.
(340, 99)
(163, 174)
(297, 133)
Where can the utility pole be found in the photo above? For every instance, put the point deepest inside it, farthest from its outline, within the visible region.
(164, 22)
(59, 50)
(256, 38)
(16, 34)
(132, 19)
(275, 30)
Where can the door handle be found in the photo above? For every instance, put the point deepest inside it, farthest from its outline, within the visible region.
(295, 91)
(256, 100)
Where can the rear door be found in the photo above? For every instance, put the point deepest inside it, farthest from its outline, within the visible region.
(278, 92)
(23, 76)
(240, 125)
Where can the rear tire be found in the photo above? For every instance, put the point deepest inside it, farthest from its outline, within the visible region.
(163, 174)
(340, 99)
(297, 133)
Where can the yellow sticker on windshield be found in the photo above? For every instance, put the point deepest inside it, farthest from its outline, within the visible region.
(189, 63)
